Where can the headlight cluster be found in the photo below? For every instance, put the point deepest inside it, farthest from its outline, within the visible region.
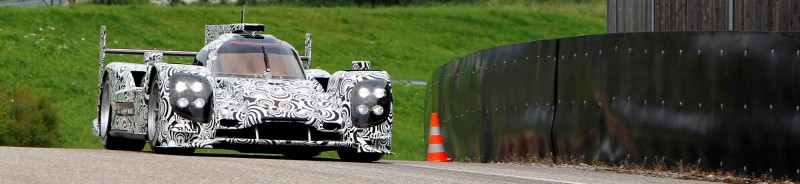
(190, 96)
(370, 102)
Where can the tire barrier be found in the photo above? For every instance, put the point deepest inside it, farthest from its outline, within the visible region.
(714, 100)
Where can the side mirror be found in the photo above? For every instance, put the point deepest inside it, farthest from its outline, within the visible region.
(306, 61)
(361, 65)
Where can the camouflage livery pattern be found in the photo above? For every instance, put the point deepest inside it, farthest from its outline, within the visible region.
(361, 65)
(248, 101)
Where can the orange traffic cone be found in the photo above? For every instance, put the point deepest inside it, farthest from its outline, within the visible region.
(435, 142)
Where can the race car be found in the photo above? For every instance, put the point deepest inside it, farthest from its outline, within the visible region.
(244, 91)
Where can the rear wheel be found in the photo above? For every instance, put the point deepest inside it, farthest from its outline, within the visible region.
(106, 117)
(154, 128)
(351, 155)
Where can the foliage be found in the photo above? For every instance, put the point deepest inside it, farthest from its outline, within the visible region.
(56, 51)
(119, 2)
(27, 119)
(384, 3)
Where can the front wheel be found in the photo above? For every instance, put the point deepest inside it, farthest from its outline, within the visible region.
(351, 155)
(154, 128)
(106, 117)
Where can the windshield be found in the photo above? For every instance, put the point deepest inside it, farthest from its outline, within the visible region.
(247, 58)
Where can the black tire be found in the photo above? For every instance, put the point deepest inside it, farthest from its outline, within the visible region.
(351, 155)
(118, 143)
(301, 155)
(152, 119)
(106, 116)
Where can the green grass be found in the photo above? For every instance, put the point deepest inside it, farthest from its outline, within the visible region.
(54, 50)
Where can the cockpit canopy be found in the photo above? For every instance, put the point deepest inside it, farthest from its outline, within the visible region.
(246, 56)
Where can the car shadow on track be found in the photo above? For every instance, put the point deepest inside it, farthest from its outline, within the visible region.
(267, 156)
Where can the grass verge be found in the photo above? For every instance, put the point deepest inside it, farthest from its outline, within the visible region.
(54, 50)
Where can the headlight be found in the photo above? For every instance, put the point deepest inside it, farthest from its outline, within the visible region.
(363, 109)
(197, 87)
(377, 109)
(373, 96)
(380, 92)
(199, 103)
(363, 92)
(183, 102)
(180, 86)
(191, 96)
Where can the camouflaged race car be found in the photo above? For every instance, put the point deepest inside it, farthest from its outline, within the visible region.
(244, 91)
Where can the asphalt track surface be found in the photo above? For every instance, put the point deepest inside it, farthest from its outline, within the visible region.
(49, 165)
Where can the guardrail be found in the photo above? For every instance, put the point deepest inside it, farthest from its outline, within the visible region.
(714, 100)
(16, 3)
(412, 82)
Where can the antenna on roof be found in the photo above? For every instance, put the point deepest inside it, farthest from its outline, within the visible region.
(243, 6)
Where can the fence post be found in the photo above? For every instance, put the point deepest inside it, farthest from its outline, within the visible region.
(730, 15)
(652, 15)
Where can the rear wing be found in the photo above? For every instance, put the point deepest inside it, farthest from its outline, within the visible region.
(149, 55)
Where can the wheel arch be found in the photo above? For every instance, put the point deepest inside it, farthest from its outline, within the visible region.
(342, 86)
